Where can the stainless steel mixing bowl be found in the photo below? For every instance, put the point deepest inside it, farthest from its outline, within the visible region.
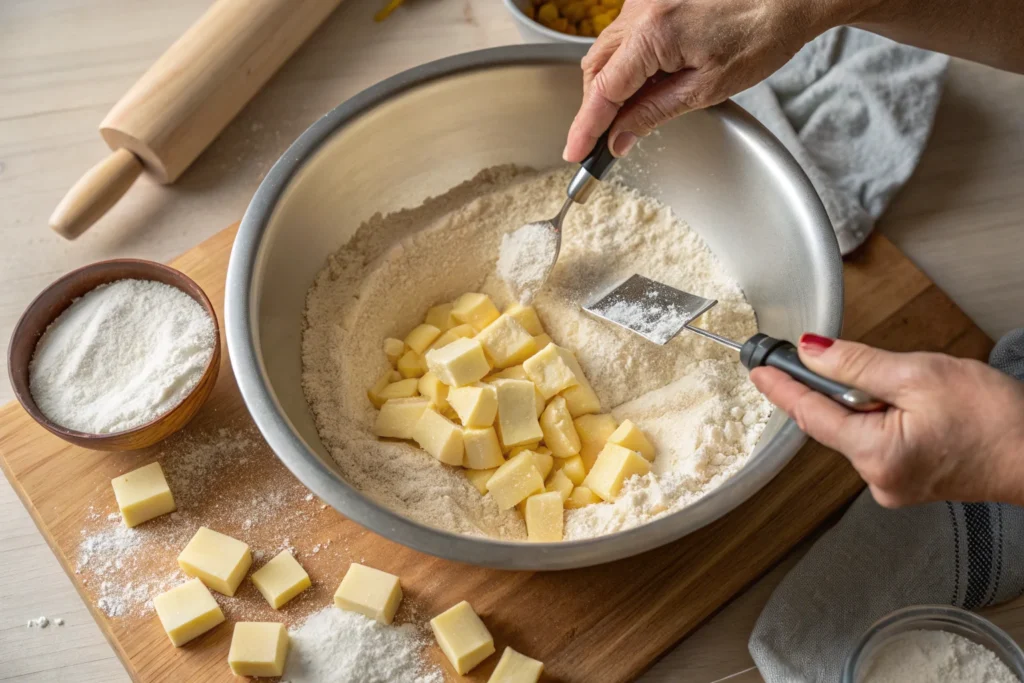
(423, 131)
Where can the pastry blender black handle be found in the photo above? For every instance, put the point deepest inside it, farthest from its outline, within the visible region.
(591, 170)
(764, 350)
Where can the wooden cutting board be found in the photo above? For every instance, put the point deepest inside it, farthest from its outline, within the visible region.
(605, 623)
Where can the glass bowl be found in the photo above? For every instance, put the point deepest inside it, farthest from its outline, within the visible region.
(931, 618)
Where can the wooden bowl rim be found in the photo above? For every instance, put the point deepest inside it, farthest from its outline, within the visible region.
(22, 390)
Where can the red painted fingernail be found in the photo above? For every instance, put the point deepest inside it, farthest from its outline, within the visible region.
(814, 344)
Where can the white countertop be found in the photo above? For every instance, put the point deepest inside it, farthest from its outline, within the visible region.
(63, 63)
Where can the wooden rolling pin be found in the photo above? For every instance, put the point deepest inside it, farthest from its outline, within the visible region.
(187, 97)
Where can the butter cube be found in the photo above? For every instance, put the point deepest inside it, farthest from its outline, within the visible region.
(421, 337)
(482, 449)
(628, 435)
(527, 317)
(375, 392)
(542, 460)
(457, 332)
(560, 483)
(549, 370)
(514, 481)
(516, 668)
(369, 592)
(280, 580)
(475, 309)
(581, 399)
(462, 636)
(412, 364)
(434, 389)
(544, 517)
(476, 405)
(542, 340)
(398, 417)
(506, 342)
(573, 468)
(441, 317)
(517, 372)
(614, 465)
(393, 349)
(439, 436)
(258, 649)
(403, 388)
(517, 415)
(593, 431)
(559, 432)
(187, 611)
(143, 494)
(460, 363)
(479, 478)
(581, 497)
(220, 561)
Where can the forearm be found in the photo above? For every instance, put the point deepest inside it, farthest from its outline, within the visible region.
(991, 33)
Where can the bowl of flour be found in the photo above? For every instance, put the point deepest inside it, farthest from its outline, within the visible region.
(116, 355)
(928, 643)
(347, 243)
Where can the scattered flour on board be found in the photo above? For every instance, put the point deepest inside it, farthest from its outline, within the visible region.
(690, 396)
(338, 646)
(120, 356)
(929, 656)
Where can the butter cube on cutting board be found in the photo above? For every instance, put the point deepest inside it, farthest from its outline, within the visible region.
(515, 481)
(369, 592)
(258, 649)
(143, 494)
(482, 449)
(628, 435)
(544, 517)
(476, 405)
(463, 637)
(460, 363)
(593, 431)
(506, 342)
(514, 667)
(280, 580)
(550, 371)
(475, 309)
(559, 431)
(220, 561)
(440, 437)
(527, 317)
(517, 417)
(398, 417)
(614, 465)
(187, 611)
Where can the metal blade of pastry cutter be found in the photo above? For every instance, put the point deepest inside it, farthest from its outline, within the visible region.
(653, 310)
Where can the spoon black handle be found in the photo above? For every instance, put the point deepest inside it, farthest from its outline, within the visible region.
(600, 158)
(764, 350)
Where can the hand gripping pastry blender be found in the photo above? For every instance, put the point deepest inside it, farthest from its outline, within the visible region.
(658, 313)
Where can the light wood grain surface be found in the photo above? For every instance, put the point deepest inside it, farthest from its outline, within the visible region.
(63, 63)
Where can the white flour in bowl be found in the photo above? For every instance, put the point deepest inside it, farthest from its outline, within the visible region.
(690, 396)
(930, 656)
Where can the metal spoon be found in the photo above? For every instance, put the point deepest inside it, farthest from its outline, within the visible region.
(581, 186)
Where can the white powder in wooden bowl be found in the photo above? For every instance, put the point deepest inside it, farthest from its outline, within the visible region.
(692, 397)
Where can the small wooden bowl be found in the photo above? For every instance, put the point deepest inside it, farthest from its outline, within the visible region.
(57, 297)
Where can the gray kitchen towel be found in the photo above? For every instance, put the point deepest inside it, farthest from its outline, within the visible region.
(855, 110)
(876, 560)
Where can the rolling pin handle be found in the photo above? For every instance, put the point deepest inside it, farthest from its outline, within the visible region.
(94, 193)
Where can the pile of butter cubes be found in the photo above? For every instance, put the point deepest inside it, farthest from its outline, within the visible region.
(490, 392)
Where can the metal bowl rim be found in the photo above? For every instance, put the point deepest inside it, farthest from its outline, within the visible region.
(270, 418)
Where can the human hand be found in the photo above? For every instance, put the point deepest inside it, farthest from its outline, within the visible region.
(954, 431)
(661, 58)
